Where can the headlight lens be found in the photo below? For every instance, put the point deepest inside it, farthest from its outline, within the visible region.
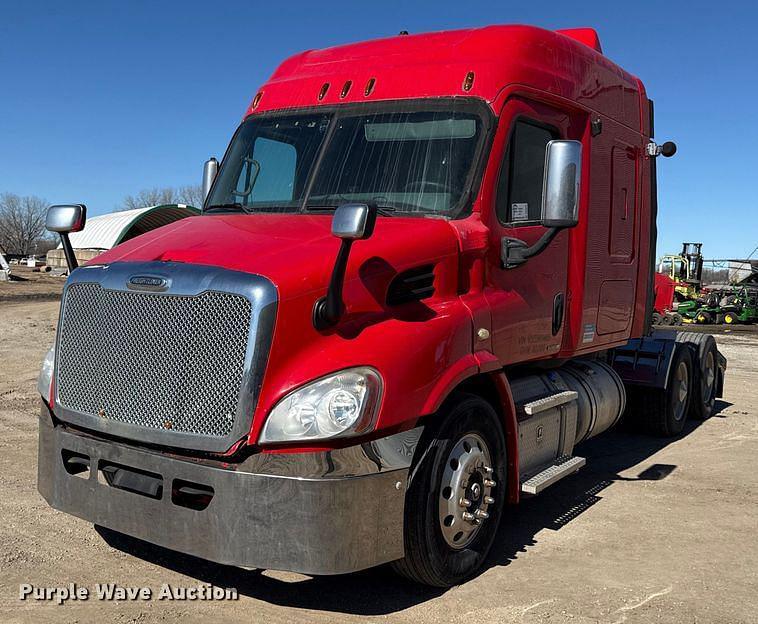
(45, 379)
(340, 405)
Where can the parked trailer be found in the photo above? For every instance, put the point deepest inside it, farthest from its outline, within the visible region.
(422, 276)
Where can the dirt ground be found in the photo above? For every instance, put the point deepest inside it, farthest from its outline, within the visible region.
(27, 285)
(650, 531)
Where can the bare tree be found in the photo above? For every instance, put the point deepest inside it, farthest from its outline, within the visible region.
(149, 197)
(192, 195)
(22, 223)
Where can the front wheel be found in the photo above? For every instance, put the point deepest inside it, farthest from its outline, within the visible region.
(456, 494)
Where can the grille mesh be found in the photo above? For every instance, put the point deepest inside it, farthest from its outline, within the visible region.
(158, 361)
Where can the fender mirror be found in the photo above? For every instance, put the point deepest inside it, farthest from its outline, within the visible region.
(560, 187)
(64, 219)
(351, 222)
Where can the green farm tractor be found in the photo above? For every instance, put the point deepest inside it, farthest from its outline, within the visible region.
(740, 307)
(737, 306)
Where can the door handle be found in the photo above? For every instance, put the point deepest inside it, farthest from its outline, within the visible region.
(557, 313)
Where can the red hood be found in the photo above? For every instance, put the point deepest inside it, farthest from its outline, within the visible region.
(296, 252)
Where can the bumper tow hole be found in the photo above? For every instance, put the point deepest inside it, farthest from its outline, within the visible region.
(191, 495)
(133, 480)
(76, 464)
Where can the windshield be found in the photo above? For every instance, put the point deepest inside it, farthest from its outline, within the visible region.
(420, 159)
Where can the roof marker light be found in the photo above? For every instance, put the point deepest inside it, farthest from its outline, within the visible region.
(257, 99)
(324, 89)
(369, 87)
(468, 82)
(346, 89)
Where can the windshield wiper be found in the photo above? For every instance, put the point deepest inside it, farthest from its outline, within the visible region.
(237, 207)
(382, 210)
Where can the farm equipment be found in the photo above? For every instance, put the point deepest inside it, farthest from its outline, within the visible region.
(740, 307)
(686, 270)
(423, 275)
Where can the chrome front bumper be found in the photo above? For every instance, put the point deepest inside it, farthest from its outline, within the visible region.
(315, 513)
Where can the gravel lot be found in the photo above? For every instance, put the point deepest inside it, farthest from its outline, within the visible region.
(650, 531)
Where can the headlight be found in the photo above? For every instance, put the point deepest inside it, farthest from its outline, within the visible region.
(340, 405)
(45, 379)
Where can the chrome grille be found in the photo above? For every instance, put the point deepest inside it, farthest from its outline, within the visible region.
(159, 361)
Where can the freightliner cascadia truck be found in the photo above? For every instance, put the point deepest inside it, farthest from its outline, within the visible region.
(422, 276)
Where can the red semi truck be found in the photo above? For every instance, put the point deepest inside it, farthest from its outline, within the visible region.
(422, 276)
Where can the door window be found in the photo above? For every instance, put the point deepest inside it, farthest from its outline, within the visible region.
(519, 192)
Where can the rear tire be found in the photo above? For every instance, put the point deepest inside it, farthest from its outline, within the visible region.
(704, 318)
(705, 373)
(663, 412)
(730, 318)
(436, 553)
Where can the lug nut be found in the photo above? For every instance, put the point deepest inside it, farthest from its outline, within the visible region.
(464, 502)
(488, 469)
(489, 500)
(482, 514)
(489, 483)
(468, 517)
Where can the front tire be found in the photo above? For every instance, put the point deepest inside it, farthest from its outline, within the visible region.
(456, 494)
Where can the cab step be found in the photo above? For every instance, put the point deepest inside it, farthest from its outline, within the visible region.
(561, 467)
(548, 402)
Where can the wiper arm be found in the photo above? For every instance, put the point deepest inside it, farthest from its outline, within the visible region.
(386, 210)
(382, 210)
(232, 206)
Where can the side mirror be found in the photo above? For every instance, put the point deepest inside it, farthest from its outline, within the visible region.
(210, 169)
(560, 188)
(351, 222)
(66, 218)
(354, 221)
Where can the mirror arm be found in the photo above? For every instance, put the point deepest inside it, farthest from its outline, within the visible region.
(328, 310)
(68, 250)
(514, 252)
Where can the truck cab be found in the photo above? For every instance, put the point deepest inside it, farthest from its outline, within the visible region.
(422, 276)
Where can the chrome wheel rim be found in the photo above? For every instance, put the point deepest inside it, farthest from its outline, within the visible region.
(466, 491)
(680, 390)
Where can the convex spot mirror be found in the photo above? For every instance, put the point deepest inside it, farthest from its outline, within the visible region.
(66, 218)
(354, 221)
(560, 187)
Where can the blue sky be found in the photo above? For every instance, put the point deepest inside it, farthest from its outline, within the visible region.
(102, 99)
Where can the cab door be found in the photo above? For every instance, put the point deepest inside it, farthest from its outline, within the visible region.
(528, 302)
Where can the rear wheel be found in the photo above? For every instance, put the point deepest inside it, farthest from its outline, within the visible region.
(705, 318)
(456, 494)
(662, 411)
(705, 373)
(730, 318)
